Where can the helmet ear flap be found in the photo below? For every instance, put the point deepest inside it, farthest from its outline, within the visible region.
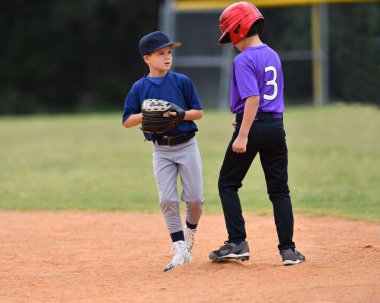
(237, 30)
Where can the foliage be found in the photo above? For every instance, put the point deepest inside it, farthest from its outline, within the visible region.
(70, 56)
(354, 52)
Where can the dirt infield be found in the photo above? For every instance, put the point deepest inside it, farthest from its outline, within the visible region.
(118, 257)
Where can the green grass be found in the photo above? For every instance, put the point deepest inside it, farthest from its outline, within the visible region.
(90, 162)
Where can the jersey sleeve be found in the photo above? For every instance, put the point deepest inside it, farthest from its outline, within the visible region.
(132, 103)
(246, 79)
(190, 94)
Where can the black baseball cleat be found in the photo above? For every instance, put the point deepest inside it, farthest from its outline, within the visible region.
(231, 251)
(291, 257)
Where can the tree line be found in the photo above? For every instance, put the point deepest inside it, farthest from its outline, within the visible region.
(72, 56)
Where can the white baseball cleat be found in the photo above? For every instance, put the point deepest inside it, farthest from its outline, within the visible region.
(189, 237)
(182, 255)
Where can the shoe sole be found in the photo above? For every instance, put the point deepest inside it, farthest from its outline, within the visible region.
(242, 257)
(290, 262)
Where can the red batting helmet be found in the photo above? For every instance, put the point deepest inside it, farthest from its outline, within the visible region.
(236, 20)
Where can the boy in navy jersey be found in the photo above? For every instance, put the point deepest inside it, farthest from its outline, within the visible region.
(256, 97)
(175, 152)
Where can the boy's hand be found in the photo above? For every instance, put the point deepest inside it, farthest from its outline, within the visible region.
(159, 116)
(240, 144)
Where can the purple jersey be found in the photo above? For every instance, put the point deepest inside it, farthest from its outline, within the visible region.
(257, 71)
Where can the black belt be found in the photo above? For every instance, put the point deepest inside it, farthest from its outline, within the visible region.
(169, 140)
(262, 116)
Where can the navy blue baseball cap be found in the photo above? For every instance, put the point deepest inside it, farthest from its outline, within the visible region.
(155, 41)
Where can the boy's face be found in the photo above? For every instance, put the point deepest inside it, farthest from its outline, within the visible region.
(159, 60)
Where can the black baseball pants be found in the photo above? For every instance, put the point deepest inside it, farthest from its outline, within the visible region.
(266, 138)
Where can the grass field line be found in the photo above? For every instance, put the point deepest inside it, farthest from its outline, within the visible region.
(90, 162)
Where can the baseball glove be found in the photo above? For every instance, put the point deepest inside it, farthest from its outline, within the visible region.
(156, 118)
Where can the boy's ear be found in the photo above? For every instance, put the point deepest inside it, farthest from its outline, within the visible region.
(146, 58)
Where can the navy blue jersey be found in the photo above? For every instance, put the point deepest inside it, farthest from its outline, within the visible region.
(174, 87)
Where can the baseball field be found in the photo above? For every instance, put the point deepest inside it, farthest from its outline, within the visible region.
(80, 220)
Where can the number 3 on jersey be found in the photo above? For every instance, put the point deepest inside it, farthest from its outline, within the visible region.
(272, 83)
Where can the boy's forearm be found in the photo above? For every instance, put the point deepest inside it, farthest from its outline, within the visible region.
(250, 110)
(193, 114)
(133, 120)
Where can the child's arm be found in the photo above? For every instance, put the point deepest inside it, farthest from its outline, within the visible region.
(133, 120)
(193, 114)
(250, 110)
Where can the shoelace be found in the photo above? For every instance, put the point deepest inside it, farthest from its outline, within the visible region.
(190, 235)
(177, 247)
(226, 243)
(178, 250)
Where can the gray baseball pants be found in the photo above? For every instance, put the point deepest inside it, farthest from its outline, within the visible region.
(169, 162)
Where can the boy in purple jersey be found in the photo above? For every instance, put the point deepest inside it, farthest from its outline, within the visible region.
(257, 99)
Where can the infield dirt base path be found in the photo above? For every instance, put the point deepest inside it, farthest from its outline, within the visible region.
(119, 257)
